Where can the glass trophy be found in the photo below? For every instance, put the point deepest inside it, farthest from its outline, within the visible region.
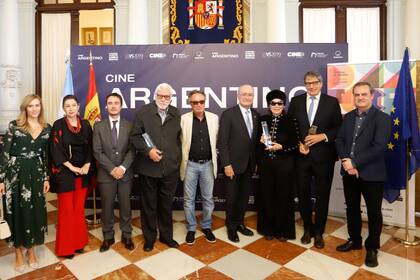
(148, 140)
(266, 134)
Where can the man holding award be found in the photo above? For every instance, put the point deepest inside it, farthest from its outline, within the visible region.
(319, 118)
(156, 136)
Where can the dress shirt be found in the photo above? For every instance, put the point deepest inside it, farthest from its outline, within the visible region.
(243, 111)
(200, 141)
(117, 125)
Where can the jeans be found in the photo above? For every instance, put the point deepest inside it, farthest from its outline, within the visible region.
(202, 174)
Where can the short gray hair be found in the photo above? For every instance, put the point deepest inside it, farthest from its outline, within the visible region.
(162, 86)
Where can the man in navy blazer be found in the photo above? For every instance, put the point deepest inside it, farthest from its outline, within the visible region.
(236, 144)
(361, 143)
(319, 118)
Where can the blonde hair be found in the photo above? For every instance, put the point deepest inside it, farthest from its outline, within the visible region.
(22, 119)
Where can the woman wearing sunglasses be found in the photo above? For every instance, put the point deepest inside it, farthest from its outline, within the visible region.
(278, 144)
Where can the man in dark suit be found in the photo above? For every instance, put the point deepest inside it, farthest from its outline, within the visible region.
(115, 173)
(158, 163)
(319, 118)
(361, 143)
(236, 145)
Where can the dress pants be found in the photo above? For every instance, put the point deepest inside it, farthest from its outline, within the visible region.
(237, 196)
(323, 173)
(72, 232)
(108, 192)
(372, 193)
(156, 196)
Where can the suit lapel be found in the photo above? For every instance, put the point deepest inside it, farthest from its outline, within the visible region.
(107, 130)
(366, 121)
(318, 111)
(240, 117)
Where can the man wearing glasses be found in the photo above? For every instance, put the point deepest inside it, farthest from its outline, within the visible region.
(156, 136)
(237, 141)
(199, 163)
(319, 118)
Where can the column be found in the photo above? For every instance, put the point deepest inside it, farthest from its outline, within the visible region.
(138, 22)
(412, 23)
(276, 21)
(10, 71)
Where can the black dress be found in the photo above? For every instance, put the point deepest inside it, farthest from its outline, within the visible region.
(275, 194)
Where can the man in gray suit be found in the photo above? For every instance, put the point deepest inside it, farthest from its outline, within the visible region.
(115, 174)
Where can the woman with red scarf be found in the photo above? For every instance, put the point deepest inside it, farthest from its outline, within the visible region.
(71, 157)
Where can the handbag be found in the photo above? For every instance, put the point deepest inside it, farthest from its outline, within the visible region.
(4, 226)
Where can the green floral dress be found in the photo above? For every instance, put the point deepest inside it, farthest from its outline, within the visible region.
(23, 169)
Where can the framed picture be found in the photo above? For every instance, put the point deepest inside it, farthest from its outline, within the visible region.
(89, 36)
(106, 36)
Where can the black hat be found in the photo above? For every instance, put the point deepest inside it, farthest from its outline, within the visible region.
(275, 94)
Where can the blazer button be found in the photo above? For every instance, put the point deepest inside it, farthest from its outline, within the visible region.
(116, 153)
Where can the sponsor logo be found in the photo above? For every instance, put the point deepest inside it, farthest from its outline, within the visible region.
(113, 56)
(199, 55)
(318, 55)
(271, 54)
(86, 57)
(134, 56)
(157, 55)
(180, 56)
(296, 54)
(337, 55)
(249, 54)
(224, 55)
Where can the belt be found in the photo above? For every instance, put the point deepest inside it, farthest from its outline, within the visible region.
(200, 161)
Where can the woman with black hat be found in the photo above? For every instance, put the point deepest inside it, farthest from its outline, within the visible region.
(275, 196)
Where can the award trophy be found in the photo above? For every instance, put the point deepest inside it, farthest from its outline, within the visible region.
(311, 131)
(148, 140)
(266, 134)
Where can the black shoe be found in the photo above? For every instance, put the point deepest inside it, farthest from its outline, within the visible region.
(371, 258)
(148, 246)
(106, 244)
(209, 235)
(268, 237)
(190, 238)
(128, 243)
(171, 243)
(245, 231)
(348, 246)
(282, 239)
(233, 236)
(80, 251)
(319, 241)
(306, 238)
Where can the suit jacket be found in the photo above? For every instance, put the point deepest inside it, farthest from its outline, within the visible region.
(109, 155)
(235, 146)
(166, 137)
(328, 120)
(369, 152)
(186, 126)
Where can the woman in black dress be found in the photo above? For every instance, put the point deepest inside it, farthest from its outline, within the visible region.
(275, 201)
(71, 157)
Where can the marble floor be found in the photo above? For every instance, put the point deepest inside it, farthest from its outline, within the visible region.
(251, 258)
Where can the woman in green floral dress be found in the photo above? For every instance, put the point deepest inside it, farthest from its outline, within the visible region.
(24, 179)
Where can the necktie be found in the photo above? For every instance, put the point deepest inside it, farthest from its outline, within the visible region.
(248, 122)
(311, 110)
(114, 132)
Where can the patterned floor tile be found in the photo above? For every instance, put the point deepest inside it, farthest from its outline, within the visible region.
(206, 273)
(362, 274)
(169, 264)
(129, 272)
(343, 234)
(52, 217)
(241, 264)
(285, 273)
(5, 248)
(93, 244)
(207, 252)
(97, 232)
(53, 271)
(395, 248)
(274, 250)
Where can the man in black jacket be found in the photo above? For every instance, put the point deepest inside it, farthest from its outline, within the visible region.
(319, 119)
(361, 143)
(158, 164)
(236, 143)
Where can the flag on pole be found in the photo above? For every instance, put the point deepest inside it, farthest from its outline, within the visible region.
(405, 135)
(92, 109)
(67, 88)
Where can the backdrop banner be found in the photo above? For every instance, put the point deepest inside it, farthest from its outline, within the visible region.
(383, 76)
(134, 71)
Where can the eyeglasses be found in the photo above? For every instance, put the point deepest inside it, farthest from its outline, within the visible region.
(279, 103)
(311, 83)
(197, 102)
(166, 97)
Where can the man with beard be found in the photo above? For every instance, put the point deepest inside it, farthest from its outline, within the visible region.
(156, 138)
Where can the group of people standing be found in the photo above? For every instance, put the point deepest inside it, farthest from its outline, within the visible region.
(293, 153)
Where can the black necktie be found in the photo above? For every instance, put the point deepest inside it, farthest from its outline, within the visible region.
(114, 132)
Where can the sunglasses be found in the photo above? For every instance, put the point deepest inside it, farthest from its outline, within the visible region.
(197, 102)
(279, 103)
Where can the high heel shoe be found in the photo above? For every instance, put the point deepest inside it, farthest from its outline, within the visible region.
(33, 265)
(20, 268)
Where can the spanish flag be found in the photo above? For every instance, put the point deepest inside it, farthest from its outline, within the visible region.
(92, 109)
